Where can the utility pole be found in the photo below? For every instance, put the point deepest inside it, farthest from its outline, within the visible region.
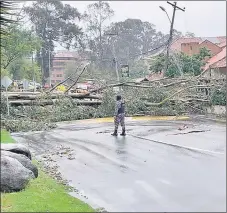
(114, 55)
(116, 63)
(33, 71)
(175, 7)
(49, 69)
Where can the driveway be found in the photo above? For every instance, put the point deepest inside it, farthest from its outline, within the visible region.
(156, 167)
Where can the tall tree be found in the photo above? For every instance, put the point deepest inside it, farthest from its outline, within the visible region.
(24, 69)
(20, 43)
(54, 22)
(177, 34)
(95, 17)
(6, 8)
(135, 38)
(189, 35)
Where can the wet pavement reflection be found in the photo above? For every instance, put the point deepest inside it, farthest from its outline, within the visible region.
(151, 169)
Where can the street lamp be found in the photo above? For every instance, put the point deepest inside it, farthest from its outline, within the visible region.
(163, 9)
(48, 63)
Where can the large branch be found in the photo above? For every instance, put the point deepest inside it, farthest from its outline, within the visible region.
(176, 93)
(77, 78)
(38, 96)
(49, 102)
(62, 82)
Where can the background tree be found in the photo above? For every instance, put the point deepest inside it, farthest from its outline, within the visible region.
(157, 63)
(138, 69)
(54, 22)
(24, 69)
(6, 8)
(20, 43)
(177, 34)
(134, 38)
(71, 69)
(181, 63)
(189, 35)
(95, 17)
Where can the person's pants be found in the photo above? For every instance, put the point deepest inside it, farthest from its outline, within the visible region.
(119, 119)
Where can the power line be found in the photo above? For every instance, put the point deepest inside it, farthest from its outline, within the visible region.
(106, 59)
(175, 7)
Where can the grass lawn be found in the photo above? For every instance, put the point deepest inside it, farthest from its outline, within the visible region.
(5, 137)
(42, 194)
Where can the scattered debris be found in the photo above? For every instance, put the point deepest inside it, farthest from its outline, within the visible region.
(183, 127)
(193, 131)
(102, 132)
(101, 210)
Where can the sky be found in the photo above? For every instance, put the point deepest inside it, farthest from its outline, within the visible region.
(204, 18)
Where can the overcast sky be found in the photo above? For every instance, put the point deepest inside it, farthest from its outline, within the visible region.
(204, 18)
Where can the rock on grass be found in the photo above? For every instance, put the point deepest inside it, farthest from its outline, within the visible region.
(14, 176)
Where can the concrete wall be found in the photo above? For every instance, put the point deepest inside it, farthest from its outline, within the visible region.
(194, 47)
(190, 48)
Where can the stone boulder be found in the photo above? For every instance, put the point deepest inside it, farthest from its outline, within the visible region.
(14, 176)
(25, 161)
(17, 148)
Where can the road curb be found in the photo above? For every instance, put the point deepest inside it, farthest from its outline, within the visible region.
(138, 118)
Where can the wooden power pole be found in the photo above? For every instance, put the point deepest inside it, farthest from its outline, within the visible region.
(175, 7)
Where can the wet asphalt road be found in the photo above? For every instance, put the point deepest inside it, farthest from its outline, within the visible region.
(136, 172)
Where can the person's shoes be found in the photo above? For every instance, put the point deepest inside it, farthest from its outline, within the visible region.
(115, 133)
(123, 133)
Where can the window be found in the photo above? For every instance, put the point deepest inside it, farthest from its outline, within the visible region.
(191, 47)
(58, 69)
(59, 75)
(59, 63)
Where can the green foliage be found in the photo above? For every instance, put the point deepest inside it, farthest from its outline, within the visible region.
(189, 35)
(4, 72)
(54, 22)
(157, 63)
(134, 37)
(6, 8)
(138, 69)
(95, 18)
(18, 44)
(108, 106)
(23, 69)
(180, 63)
(218, 97)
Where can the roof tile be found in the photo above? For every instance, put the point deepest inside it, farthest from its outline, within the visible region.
(218, 57)
(176, 45)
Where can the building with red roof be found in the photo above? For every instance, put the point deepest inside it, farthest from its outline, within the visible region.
(191, 46)
(216, 66)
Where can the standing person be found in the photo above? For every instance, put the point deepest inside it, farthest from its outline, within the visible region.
(119, 116)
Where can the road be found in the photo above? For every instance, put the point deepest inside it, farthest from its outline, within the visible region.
(153, 168)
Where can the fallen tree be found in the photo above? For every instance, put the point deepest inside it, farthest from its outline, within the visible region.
(21, 96)
(49, 102)
(39, 111)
